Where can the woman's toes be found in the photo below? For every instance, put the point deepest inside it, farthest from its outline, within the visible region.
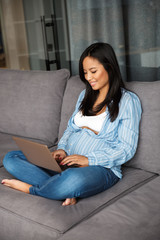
(16, 184)
(6, 182)
(69, 201)
(66, 202)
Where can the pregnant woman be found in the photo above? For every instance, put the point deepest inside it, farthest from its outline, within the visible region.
(102, 134)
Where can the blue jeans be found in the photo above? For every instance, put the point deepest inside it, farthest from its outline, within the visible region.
(71, 183)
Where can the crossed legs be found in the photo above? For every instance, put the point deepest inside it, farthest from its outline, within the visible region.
(70, 184)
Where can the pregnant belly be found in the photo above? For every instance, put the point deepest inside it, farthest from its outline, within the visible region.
(82, 143)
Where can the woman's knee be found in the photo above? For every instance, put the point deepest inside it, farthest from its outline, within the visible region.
(74, 180)
(85, 182)
(8, 160)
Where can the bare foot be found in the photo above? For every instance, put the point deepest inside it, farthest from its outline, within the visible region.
(69, 201)
(16, 184)
(24, 187)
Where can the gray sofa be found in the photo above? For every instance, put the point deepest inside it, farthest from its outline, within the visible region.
(37, 105)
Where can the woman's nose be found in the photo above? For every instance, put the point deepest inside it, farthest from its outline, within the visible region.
(88, 76)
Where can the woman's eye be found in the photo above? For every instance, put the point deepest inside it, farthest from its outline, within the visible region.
(91, 72)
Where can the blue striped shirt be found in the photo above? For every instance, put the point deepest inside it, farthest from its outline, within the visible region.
(116, 142)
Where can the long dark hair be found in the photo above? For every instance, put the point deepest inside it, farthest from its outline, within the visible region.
(105, 54)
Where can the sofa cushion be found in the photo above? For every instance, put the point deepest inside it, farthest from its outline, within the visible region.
(36, 215)
(148, 152)
(6, 144)
(134, 216)
(30, 103)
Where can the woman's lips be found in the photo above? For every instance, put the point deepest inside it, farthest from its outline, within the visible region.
(92, 84)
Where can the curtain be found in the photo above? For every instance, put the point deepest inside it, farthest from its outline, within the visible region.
(132, 27)
(14, 34)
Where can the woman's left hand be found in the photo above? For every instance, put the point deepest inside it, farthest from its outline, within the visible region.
(79, 160)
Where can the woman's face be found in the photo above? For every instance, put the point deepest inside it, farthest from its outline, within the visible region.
(96, 75)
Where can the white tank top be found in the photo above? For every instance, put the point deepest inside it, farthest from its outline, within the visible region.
(93, 122)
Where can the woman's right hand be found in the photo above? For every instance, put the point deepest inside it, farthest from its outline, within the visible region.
(59, 155)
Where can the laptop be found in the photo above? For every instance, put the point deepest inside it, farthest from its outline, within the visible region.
(38, 154)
